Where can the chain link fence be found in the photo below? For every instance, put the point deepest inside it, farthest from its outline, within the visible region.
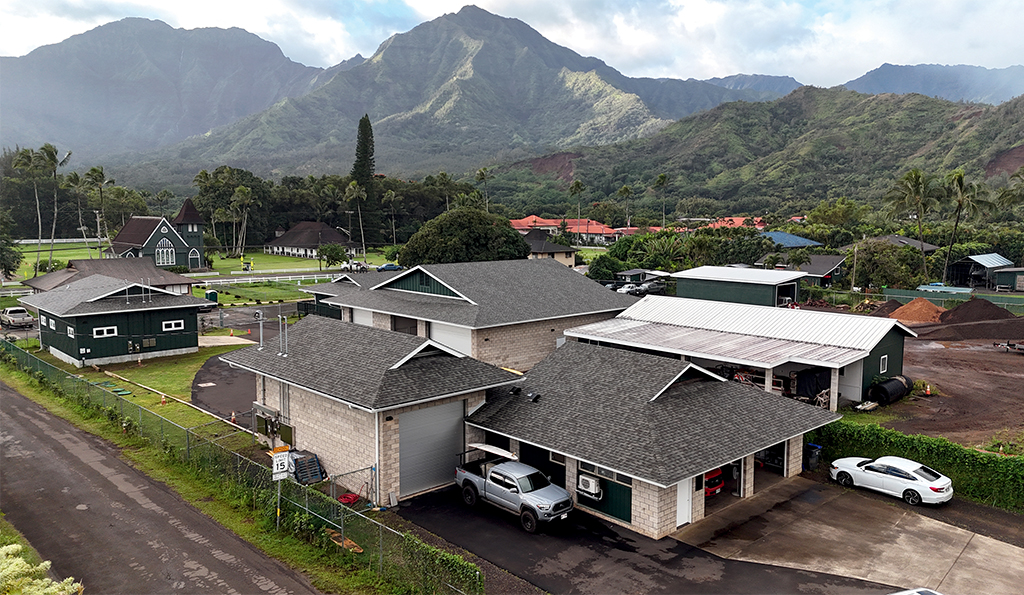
(357, 540)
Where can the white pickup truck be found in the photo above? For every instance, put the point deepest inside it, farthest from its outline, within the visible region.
(512, 486)
(16, 317)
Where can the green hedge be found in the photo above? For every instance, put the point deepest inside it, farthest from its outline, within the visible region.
(984, 477)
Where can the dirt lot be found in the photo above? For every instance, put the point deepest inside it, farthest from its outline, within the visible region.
(977, 388)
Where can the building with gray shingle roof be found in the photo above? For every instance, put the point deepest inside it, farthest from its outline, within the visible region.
(168, 244)
(509, 313)
(363, 397)
(134, 269)
(99, 320)
(540, 247)
(644, 427)
(305, 238)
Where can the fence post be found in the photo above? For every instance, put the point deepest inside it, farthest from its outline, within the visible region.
(188, 446)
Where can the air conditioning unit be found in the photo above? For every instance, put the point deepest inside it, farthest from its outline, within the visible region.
(589, 487)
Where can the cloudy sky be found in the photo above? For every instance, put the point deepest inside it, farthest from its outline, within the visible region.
(818, 42)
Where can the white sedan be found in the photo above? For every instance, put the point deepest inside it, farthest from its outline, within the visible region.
(895, 476)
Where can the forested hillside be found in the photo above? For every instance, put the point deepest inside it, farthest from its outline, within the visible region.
(780, 156)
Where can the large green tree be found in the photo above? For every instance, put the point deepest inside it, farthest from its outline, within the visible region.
(464, 235)
(10, 256)
(28, 163)
(918, 192)
(363, 168)
(968, 198)
(97, 179)
(51, 161)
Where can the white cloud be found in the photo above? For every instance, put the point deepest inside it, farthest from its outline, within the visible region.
(821, 42)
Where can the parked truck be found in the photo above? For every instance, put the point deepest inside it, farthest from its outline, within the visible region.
(16, 317)
(500, 479)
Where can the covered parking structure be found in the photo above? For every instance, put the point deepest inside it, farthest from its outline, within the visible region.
(826, 353)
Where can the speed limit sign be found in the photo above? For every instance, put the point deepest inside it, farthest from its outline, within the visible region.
(283, 465)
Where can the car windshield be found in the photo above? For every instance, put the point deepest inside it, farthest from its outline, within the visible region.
(927, 473)
(532, 482)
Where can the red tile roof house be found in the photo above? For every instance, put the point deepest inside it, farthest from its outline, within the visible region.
(590, 231)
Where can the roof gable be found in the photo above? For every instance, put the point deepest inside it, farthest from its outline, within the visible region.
(188, 214)
(419, 280)
(97, 294)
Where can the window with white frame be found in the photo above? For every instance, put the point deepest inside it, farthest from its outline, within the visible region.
(104, 331)
(883, 364)
(42, 319)
(606, 473)
(71, 332)
(164, 253)
(173, 325)
(53, 325)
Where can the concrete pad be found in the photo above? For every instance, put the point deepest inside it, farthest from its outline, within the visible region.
(217, 341)
(810, 526)
(986, 566)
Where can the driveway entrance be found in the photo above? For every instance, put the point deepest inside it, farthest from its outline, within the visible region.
(803, 524)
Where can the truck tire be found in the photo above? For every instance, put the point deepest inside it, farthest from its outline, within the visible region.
(529, 521)
(469, 495)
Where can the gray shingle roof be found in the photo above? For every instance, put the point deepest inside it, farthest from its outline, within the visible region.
(132, 269)
(98, 293)
(310, 234)
(602, 405)
(353, 363)
(497, 293)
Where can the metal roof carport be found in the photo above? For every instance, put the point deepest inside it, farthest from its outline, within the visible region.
(743, 334)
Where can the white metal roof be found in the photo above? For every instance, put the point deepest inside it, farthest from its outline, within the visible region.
(734, 274)
(743, 334)
(991, 261)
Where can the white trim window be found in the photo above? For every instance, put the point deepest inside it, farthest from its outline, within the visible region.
(883, 364)
(173, 325)
(42, 319)
(71, 332)
(53, 325)
(164, 253)
(104, 331)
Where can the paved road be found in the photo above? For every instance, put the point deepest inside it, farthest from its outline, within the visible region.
(587, 555)
(111, 527)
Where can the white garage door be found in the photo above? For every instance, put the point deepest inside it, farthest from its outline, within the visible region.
(429, 442)
(363, 317)
(458, 338)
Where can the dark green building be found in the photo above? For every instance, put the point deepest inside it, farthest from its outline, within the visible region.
(757, 287)
(168, 243)
(102, 320)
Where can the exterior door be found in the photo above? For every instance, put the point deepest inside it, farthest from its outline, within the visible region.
(684, 508)
(430, 440)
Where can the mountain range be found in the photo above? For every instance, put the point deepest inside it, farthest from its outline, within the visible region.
(158, 104)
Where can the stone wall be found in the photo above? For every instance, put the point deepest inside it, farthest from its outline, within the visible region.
(382, 321)
(521, 346)
(654, 509)
(794, 456)
(697, 504)
(748, 477)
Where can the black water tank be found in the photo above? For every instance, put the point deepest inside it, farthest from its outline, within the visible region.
(891, 390)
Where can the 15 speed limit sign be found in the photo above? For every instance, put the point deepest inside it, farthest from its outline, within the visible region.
(283, 465)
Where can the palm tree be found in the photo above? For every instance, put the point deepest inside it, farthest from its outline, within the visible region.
(390, 199)
(575, 190)
(27, 161)
(97, 179)
(482, 175)
(625, 192)
(919, 192)
(241, 201)
(79, 186)
(969, 199)
(444, 182)
(355, 193)
(1013, 194)
(772, 260)
(51, 160)
(798, 258)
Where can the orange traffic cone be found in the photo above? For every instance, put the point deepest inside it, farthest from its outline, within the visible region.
(232, 333)
(248, 332)
(163, 399)
(232, 417)
(928, 389)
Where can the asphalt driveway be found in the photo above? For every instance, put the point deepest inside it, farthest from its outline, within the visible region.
(587, 555)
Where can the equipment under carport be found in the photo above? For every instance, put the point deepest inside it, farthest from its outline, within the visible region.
(891, 390)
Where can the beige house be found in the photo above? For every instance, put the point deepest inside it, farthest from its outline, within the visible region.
(509, 313)
(540, 247)
(367, 399)
(632, 435)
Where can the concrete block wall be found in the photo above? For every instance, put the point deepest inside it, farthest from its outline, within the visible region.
(342, 437)
(382, 321)
(521, 346)
(422, 328)
(748, 477)
(654, 509)
(697, 504)
(794, 456)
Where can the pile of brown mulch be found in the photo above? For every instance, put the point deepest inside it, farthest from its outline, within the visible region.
(975, 310)
(887, 308)
(990, 330)
(918, 310)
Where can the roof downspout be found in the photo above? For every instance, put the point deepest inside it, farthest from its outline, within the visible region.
(376, 454)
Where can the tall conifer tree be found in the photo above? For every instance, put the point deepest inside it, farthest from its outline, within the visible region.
(362, 169)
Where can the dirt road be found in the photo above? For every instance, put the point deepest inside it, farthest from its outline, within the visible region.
(110, 526)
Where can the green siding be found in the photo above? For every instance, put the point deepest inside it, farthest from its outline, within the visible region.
(144, 329)
(616, 500)
(726, 291)
(891, 345)
(421, 282)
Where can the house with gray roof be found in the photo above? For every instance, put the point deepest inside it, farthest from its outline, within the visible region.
(508, 313)
(361, 398)
(100, 320)
(304, 239)
(540, 247)
(823, 269)
(766, 287)
(633, 434)
(134, 269)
